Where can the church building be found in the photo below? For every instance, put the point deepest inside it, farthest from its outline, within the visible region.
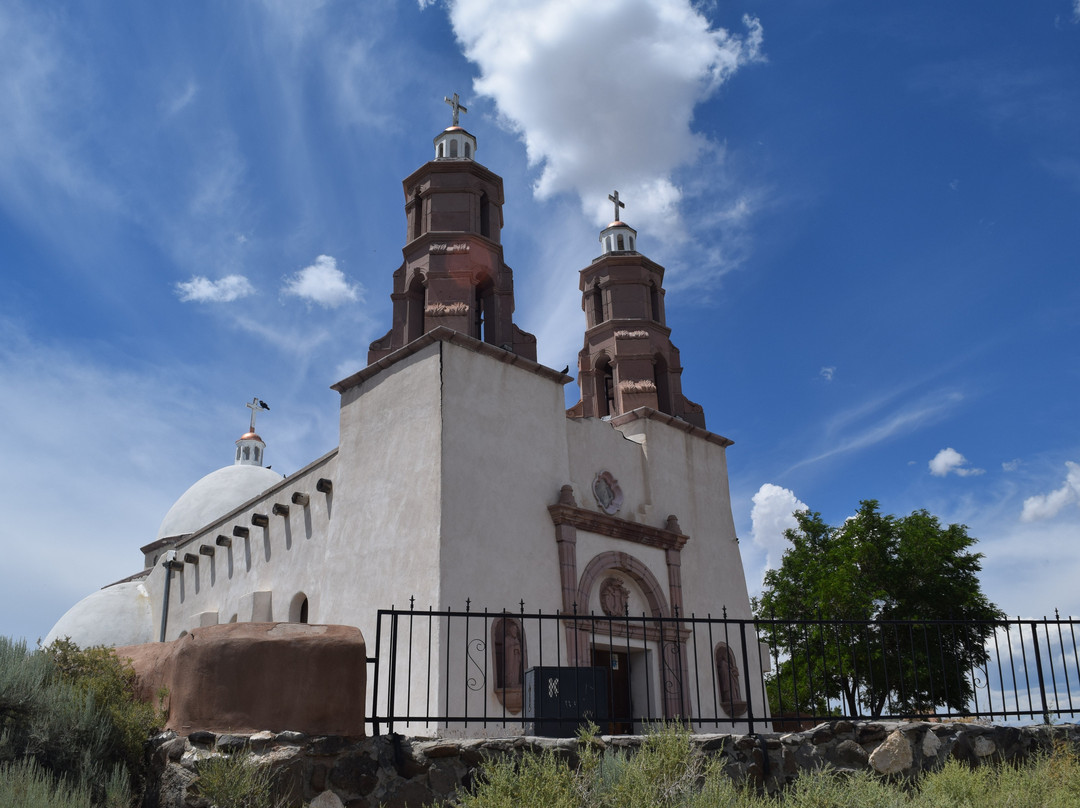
(460, 477)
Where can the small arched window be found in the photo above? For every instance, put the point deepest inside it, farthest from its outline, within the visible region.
(598, 304)
(467, 149)
(237, 452)
(619, 241)
(298, 608)
(258, 455)
(247, 453)
(439, 152)
(453, 148)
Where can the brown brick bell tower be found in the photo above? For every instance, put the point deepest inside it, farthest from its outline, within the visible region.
(454, 274)
(628, 360)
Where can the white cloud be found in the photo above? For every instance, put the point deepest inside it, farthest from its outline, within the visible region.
(1076, 10)
(1011, 465)
(950, 460)
(203, 290)
(827, 373)
(322, 283)
(603, 93)
(771, 515)
(1047, 506)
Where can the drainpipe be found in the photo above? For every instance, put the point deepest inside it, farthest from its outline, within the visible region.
(170, 563)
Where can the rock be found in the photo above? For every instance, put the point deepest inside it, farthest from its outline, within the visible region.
(328, 799)
(291, 737)
(174, 749)
(202, 738)
(849, 755)
(260, 740)
(230, 743)
(893, 756)
(930, 744)
(410, 795)
(983, 746)
(355, 773)
(439, 749)
(443, 779)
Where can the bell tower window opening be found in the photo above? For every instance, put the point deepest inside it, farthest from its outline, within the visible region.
(663, 385)
(237, 452)
(598, 304)
(605, 382)
(619, 241)
(439, 151)
(631, 240)
(467, 149)
(485, 214)
(654, 301)
(414, 311)
(258, 455)
(453, 148)
(416, 215)
(247, 453)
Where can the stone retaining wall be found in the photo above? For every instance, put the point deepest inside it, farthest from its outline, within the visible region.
(391, 770)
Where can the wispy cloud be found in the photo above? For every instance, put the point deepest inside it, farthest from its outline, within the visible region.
(1047, 506)
(951, 461)
(176, 102)
(1011, 465)
(827, 373)
(322, 283)
(878, 420)
(225, 290)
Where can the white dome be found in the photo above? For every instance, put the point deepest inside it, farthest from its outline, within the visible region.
(214, 496)
(117, 615)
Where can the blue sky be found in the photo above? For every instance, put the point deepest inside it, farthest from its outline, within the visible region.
(869, 214)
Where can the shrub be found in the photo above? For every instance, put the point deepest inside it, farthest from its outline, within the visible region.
(237, 781)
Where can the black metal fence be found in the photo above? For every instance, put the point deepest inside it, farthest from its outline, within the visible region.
(511, 671)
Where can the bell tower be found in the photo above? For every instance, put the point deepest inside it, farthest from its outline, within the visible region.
(628, 360)
(453, 274)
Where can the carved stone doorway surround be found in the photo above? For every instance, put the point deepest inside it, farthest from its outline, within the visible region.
(670, 637)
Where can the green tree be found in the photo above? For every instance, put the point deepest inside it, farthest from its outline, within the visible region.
(878, 568)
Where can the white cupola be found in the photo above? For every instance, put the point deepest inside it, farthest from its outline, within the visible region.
(618, 236)
(250, 447)
(454, 143)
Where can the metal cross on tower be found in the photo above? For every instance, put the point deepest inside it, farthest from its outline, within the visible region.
(615, 198)
(255, 405)
(456, 106)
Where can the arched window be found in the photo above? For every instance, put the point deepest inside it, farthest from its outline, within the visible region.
(237, 452)
(467, 148)
(298, 608)
(727, 681)
(619, 241)
(258, 455)
(453, 148)
(631, 239)
(508, 662)
(247, 452)
(439, 152)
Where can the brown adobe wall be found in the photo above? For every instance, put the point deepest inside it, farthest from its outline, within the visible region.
(246, 677)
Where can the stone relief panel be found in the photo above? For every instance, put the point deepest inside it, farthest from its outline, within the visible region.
(508, 662)
(614, 597)
(609, 495)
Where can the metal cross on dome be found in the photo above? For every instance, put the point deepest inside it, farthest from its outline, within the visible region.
(255, 405)
(455, 105)
(615, 198)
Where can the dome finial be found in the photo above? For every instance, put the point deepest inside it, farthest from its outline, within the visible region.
(614, 197)
(456, 106)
